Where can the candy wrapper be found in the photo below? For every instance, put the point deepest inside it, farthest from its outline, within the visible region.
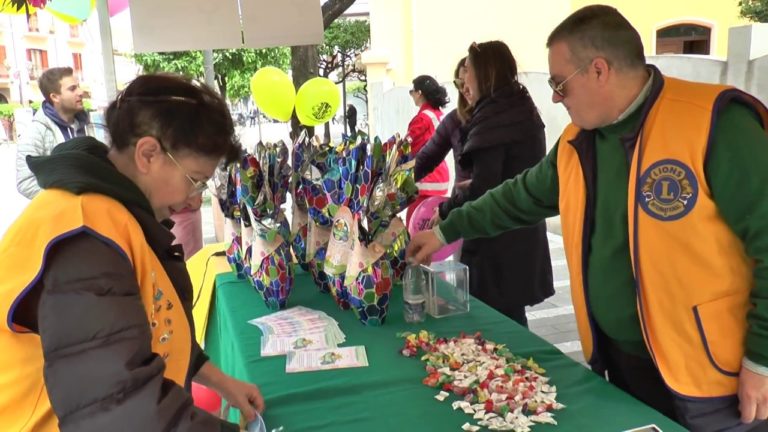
(369, 282)
(317, 245)
(501, 390)
(340, 245)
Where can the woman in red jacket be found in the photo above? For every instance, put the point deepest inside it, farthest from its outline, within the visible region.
(430, 97)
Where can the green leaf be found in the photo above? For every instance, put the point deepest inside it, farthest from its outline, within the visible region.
(754, 10)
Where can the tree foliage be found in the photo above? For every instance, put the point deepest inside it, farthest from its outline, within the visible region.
(754, 10)
(359, 89)
(233, 68)
(344, 41)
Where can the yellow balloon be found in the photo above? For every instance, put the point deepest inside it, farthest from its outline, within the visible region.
(273, 92)
(317, 101)
(306, 121)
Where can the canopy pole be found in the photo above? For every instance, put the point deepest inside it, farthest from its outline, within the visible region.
(107, 50)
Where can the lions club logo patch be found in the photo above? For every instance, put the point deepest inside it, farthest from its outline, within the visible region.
(668, 190)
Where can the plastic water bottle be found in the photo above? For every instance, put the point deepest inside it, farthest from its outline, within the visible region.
(414, 296)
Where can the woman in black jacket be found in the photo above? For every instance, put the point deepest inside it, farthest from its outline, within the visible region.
(447, 137)
(503, 137)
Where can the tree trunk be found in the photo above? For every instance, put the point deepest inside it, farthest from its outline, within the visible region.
(327, 133)
(221, 80)
(304, 60)
(333, 9)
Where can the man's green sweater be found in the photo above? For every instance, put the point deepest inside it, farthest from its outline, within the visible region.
(736, 171)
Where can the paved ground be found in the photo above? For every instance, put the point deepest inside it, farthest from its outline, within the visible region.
(553, 319)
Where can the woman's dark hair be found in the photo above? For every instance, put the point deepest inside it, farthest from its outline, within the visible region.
(494, 66)
(435, 94)
(463, 110)
(184, 115)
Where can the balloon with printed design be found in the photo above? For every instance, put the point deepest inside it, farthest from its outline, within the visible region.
(317, 101)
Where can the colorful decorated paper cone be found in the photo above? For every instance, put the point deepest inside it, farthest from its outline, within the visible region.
(317, 270)
(352, 160)
(317, 201)
(235, 249)
(394, 189)
(368, 170)
(299, 236)
(395, 239)
(317, 245)
(300, 163)
(340, 244)
(271, 271)
(369, 283)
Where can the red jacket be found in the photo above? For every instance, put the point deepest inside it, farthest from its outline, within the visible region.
(420, 129)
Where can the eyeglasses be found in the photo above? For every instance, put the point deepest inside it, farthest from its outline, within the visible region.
(412, 91)
(197, 185)
(559, 87)
(459, 83)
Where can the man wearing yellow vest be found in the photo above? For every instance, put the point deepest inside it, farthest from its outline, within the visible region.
(660, 184)
(97, 330)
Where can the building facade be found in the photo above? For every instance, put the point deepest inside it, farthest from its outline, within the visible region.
(414, 37)
(30, 46)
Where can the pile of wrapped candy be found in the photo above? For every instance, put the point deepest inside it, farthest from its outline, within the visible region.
(355, 244)
(260, 250)
(500, 390)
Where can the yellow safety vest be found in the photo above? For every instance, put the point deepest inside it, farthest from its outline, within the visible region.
(692, 274)
(52, 216)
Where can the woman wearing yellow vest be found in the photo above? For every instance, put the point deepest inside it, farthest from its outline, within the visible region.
(97, 331)
(660, 184)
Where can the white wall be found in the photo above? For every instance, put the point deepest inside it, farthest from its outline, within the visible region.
(758, 78)
(693, 68)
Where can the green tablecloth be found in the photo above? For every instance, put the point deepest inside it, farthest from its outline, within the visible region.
(388, 395)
